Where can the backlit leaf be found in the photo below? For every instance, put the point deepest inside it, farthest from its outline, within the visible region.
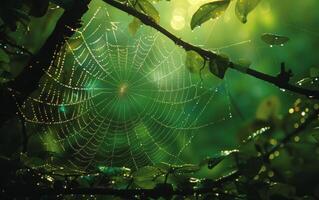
(66, 4)
(186, 168)
(147, 8)
(146, 177)
(219, 66)
(209, 11)
(244, 7)
(274, 39)
(194, 62)
(217, 158)
(113, 171)
(179, 169)
(32, 162)
(134, 26)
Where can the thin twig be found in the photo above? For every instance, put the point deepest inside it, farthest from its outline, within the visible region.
(295, 132)
(210, 55)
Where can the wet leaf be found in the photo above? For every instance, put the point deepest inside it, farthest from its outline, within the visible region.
(274, 39)
(194, 62)
(134, 26)
(146, 177)
(245, 63)
(209, 11)
(147, 8)
(217, 158)
(113, 171)
(219, 66)
(87, 180)
(244, 7)
(186, 168)
(65, 4)
(32, 162)
(147, 172)
(212, 162)
(177, 169)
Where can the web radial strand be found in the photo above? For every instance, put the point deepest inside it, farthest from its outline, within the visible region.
(120, 100)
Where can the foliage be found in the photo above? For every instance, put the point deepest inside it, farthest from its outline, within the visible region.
(263, 167)
(217, 8)
(276, 156)
(209, 11)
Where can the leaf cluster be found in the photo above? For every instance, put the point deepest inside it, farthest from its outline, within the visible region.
(265, 166)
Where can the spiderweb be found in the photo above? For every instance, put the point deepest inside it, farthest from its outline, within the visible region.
(120, 100)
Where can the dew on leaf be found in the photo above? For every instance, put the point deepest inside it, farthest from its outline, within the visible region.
(274, 39)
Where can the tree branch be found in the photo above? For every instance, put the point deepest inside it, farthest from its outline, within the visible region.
(155, 192)
(303, 126)
(210, 55)
(27, 81)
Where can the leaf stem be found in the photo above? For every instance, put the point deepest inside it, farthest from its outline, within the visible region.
(210, 55)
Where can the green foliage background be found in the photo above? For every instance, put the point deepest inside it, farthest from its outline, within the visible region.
(251, 99)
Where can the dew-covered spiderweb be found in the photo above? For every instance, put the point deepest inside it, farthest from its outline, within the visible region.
(120, 100)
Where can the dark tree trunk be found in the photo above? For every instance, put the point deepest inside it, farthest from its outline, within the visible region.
(27, 81)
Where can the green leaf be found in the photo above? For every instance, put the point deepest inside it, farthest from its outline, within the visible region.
(216, 159)
(212, 162)
(147, 8)
(164, 167)
(194, 62)
(147, 172)
(209, 11)
(113, 171)
(244, 7)
(134, 26)
(4, 56)
(177, 169)
(145, 177)
(65, 4)
(87, 180)
(274, 39)
(186, 168)
(219, 66)
(243, 62)
(32, 162)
